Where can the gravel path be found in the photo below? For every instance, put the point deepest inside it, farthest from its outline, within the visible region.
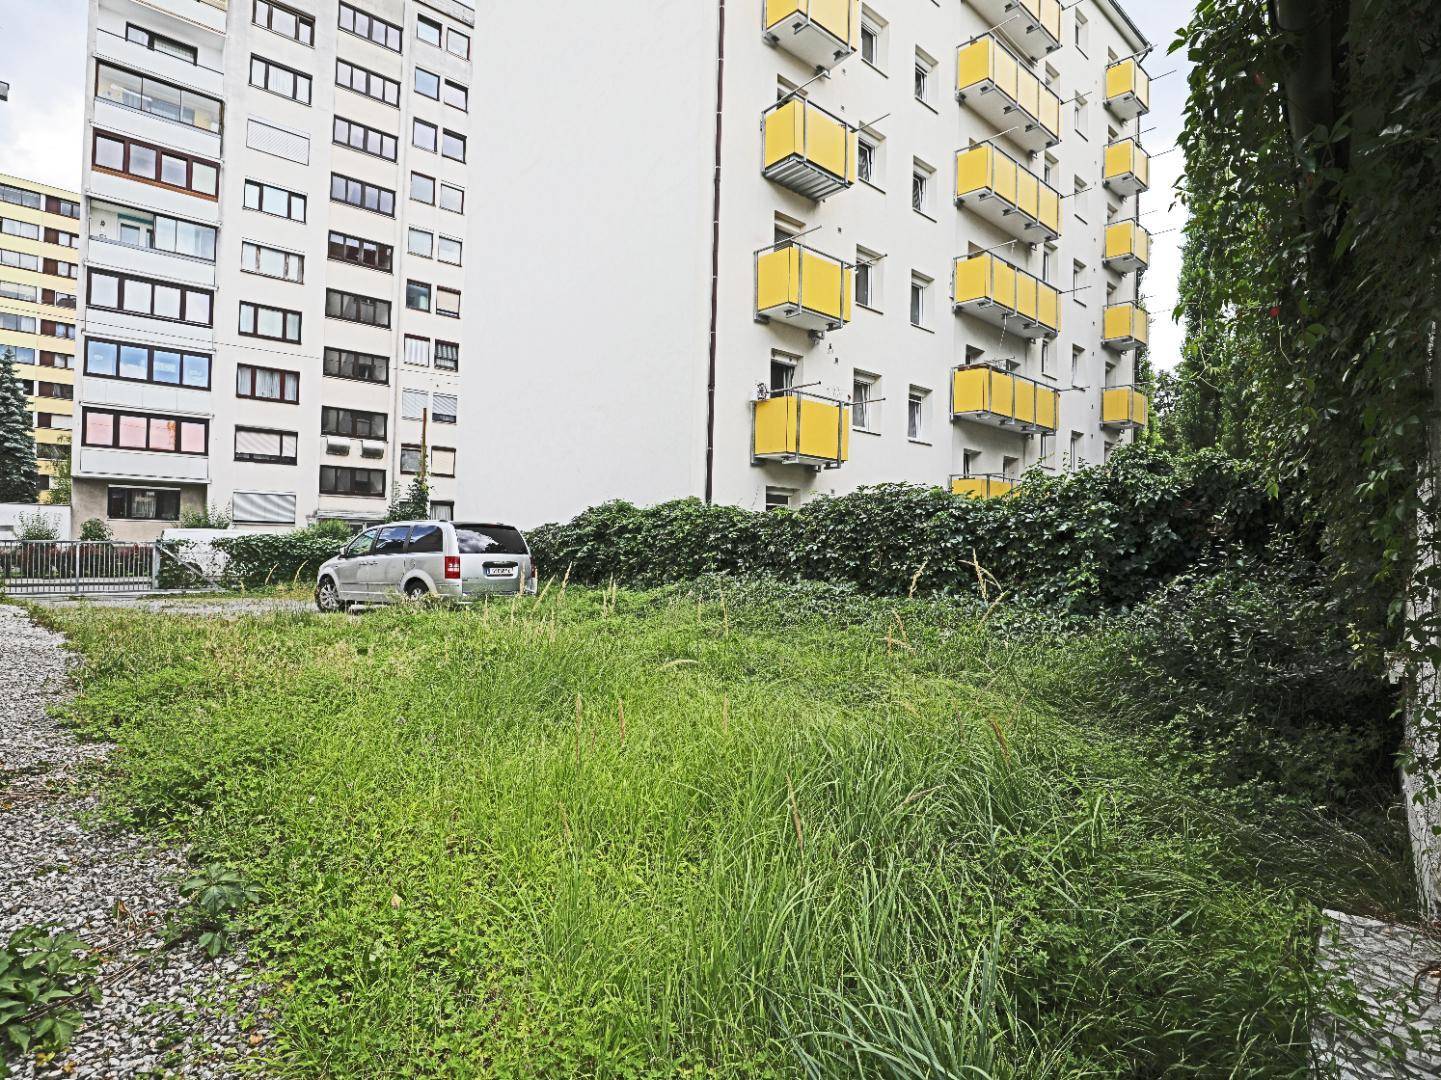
(167, 1012)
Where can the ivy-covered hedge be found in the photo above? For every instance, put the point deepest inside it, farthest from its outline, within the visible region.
(259, 559)
(1097, 538)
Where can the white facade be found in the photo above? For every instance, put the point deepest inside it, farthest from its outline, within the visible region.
(596, 213)
(201, 116)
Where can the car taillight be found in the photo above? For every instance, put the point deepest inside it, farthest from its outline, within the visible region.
(452, 567)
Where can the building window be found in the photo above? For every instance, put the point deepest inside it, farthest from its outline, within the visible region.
(1078, 281)
(457, 44)
(365, 139)
(427, 84)
(449, 250)
(868, 278)
(149, 95)
(452, 145)
(271, 262)
(153, 232)
(165, 168)
(417, 296)
(920, 300)
(1078, 356)
(1077, 459)
(267, 384)
(1047, 360)
(428, 30)
(19, 260)
(917, 402)
(362, 24)
(277, 79)
(368, 83)
(865, 413)
(447, 302)
(1083, 34)
(410, 460)
(442, 511)
(269, 199)
(452, 198)
(921, 175)
(1082, 118)
(344, 480)
(355, 308)
(422, 188)
(276, 324)
(424, 136)
(419, 242)
(866, 160)
(783, 372)
(778, 498)
(357, 193)
(27, 230)
(442, 461)
(352, 423)
(923, 80)
(456, 96)
(18, 324)
(141, 431)
(142, 504)
(264, 447)
(155, 299)
(363, 367)
(871, 44)
(281, 20)
(417, 350)
(342, 247)
(144, 363)
(444, 408)
(447, 355)
(161, 44)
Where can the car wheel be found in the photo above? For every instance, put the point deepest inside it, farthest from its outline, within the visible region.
(327, 596)
(417, 591)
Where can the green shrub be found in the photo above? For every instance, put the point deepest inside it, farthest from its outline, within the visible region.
(42, 978)
(37, 526)
(95, 530)
(1100, 537)
(206, 518)
(215, 895)
(260, 559)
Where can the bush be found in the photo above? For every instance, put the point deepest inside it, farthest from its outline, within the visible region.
(37, 526)
(261, 559)
(1253, 674)
(207, 518)
(1097, 538)
(43, 976)
(95, 529)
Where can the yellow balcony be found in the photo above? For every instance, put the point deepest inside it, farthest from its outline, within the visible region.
(1128, 247)
(1127, 327)
(1033, 26)
(998, 188)
(52, 436)
(1001, 89)
(983, 486)
(54, 406)
(1128, 89)
(802, 287)
(801, 429)
(1128, 168)
(808, 150)
(992, 289)
(820, 32)
(1125, 408)
(1003, 399)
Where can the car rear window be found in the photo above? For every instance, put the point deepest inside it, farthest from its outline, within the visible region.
(490, 540)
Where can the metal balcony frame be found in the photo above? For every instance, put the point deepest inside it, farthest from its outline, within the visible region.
(844, 50)
(1028, 326)
(1129, 343)
(796, 309)
(1047, 234)
(817, 464)
(1127, 183)
(1130, 96)
(824, 183)
(990, 417)
(990, 479)
(1130, 262)
(1130, 423)
(988, 86)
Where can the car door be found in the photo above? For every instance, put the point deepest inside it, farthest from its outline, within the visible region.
(353, 560)
(385, 569)
(425, 553)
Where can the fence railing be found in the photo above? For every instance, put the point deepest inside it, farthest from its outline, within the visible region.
(29, 567)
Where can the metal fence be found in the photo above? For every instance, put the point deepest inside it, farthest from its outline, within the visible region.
(34, 567)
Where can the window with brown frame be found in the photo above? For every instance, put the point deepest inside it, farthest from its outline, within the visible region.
(343, 247)
(447, 355)
(146, 363)
(123, 156)
(281, 20)
(362, 24)
(358, 193)
(344, 480)
(275, 324)
(279, 79)
(363, 138)
(364, 81)
(267, 384)
(352, 307)
(352, 423)
(147, 94)
(118, 430)
(151, 298)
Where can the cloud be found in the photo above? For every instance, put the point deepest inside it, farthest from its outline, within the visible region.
(41, 125)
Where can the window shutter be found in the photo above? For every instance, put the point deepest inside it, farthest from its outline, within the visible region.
(256, 442)
(263, 508)
(269, 139)
(412, 403)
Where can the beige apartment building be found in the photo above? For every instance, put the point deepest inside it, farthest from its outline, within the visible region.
(39, 237)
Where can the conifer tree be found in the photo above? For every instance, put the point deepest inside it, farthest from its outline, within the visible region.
(19, 479)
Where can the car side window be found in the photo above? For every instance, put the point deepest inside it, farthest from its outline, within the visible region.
(362, 544)
(426, 540)
(391, 540)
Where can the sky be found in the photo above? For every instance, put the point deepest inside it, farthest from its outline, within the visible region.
(42, 56)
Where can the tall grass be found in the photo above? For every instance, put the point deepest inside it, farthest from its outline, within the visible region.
(623, 835)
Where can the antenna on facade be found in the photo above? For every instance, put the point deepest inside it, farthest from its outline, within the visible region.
(792, 93)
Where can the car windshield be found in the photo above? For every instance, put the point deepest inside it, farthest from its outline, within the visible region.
(489, 540)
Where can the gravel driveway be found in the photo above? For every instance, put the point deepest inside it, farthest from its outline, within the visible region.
(165, 1011)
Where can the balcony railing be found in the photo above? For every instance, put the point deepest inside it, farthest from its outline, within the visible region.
(992, 289)
(1124, 408)
(1127, 327)
(999, 87)
(803, 287)
(1128, 89)
(1128, 247)
(997, 187)
(1003, 399)
(820, 32)
(983, 486)
(1128, 168)
(1034, 26)
(808, 149)
(801, 429)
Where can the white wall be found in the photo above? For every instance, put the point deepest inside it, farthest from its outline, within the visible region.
(11, 513)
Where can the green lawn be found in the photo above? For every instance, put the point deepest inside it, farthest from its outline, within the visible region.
(644, 836)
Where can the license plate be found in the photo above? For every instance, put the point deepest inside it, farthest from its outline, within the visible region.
(500, 571)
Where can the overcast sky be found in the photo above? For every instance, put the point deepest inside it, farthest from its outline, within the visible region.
(42, 45)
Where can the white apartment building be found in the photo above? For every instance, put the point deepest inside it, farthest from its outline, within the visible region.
(964, 177)
(277, 231)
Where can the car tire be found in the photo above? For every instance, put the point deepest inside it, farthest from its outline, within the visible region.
(327, 597)
(417, 592)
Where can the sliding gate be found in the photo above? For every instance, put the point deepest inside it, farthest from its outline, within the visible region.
(79, 567)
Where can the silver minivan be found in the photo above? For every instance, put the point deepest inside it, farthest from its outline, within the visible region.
(412, 560)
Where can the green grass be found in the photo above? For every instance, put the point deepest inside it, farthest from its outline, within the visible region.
(640, 835)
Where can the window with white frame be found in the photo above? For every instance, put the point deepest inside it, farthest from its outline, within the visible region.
(1078, 282)
(917, 405)
(448, 250)
(778, 498)
(920, 300)
(783, 371)
(868, 271)
(417, 350)
(921, 175)
(1083, 34)
(419, 242)
(865, 404)
(924, 77)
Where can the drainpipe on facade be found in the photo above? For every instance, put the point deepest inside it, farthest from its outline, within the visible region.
(715, 256)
